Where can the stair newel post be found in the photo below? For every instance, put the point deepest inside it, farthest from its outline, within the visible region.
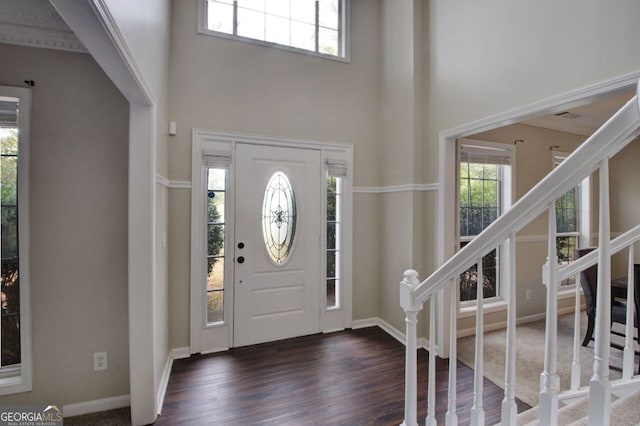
(629, 355)
(411, 309)
(451, 417)
(509, 409)
(600, 387)
(549, 383)
(477, 411)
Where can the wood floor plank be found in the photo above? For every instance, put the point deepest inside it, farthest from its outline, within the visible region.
(354, 377)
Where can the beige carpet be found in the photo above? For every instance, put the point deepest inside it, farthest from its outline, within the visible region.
(530, 356)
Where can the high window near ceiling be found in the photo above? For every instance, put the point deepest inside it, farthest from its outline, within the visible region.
(317, 27)
(484, 193)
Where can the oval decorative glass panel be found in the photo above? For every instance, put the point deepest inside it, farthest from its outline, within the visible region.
(279, 217)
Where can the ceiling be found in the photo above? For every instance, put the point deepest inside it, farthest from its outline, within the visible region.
(584, 119)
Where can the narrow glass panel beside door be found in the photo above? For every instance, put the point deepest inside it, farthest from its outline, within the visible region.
(216, 194)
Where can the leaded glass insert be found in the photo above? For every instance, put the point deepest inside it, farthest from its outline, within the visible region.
(279, 217)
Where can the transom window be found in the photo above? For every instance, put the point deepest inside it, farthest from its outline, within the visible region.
(313, 26)
(484, 175)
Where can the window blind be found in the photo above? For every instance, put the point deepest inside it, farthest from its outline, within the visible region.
(217, 160)
(336, 169)
(485, 155)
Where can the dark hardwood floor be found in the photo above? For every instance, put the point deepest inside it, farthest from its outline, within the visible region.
(348, 378)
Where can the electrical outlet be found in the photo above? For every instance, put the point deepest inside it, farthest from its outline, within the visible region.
(527, 294)
(99, 361)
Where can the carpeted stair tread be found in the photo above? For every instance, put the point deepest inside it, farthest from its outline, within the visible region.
(624, 411)
(566, 414)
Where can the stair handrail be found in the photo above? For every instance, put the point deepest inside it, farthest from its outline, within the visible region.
(610, 138)
(617, 244)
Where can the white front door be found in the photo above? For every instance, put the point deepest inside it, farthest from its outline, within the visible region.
(277, 243)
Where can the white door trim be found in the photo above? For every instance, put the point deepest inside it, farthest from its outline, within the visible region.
(208, 141)
(447, 178)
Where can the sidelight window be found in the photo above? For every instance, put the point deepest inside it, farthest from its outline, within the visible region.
(216, 197)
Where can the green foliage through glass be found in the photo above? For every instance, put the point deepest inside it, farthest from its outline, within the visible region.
(10, 287)
(216, 195)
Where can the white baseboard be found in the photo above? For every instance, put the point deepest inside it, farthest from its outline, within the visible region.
(175, 353)
(422, 342)
(466, 332)
(164, 382)
(179, 353)
(104, 404)
(364, 323)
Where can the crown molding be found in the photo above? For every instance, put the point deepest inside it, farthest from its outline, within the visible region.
(40, 37)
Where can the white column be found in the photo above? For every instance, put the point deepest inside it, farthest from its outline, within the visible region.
(549, 383)
(509, 408)
(600, 387)
(411, 310)
(477, 412)
(628, 363)
(452, 417)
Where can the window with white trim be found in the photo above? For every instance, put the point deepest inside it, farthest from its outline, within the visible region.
(15, 340)
(317, 27)
(484, 193)
(571, 208)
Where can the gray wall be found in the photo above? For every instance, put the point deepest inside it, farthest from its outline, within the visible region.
(78, 204)
(227, 85)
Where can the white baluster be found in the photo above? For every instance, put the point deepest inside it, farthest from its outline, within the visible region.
(411, 310)
(452, 417)
(600, 387)
(628, 363)
(549, 384)
(477, 412)
(509, 408)
(575, 364)
(431, 380)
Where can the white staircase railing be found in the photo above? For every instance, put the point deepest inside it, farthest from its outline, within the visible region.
(592, 155)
